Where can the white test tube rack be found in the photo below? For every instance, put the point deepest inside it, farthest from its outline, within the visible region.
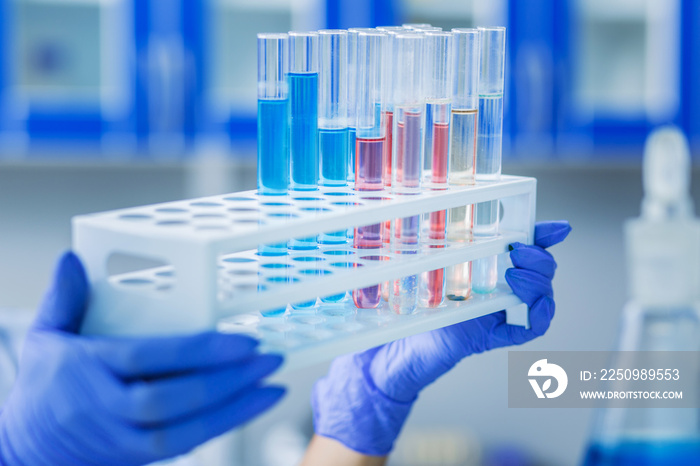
(214, 277)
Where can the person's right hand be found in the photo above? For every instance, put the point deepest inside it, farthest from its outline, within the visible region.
(104, 400)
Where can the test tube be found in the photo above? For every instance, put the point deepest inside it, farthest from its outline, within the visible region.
(352, 93)
(273, 108)
(333, 122)
(414, 26)
(273, 128)
(369, 144)
(389, 64)
(488, 147)
(409, 123)
(465, 107)
(333, 107)
(438, 95)
(352, 98)
(303, 118)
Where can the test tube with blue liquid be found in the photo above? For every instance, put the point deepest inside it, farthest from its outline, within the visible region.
(369, 145)
(352, 99)
(488, 147)
(303, 119)
(438, 95)
(408, 138)
(333, 122)
(462, 158)
(273, 128)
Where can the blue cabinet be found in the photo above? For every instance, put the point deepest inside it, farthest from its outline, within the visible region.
(67, 72)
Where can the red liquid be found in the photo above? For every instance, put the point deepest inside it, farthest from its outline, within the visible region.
(436, 278)
(369, 155)
(441, 133)
(388, 125)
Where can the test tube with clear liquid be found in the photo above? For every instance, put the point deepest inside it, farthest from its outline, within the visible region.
(488, 148)
(389, 64)
(370, 140)
(303, 120)
(438, 96)
(408, 138)
(333, 123)
(462, 158)
(273, 128)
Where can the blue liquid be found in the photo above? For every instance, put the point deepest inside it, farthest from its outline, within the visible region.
(279, 249)
(656, 453)
(273, 146)
(351, 154)
(303, 101)
(333, 147)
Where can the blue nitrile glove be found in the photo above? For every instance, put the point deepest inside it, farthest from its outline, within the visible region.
(366, 397)
(82, 400)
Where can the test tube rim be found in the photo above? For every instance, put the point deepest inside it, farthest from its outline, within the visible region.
(439, 33)
(272, 35)
(491, 28)
(333, 32)
(469, 31)
(303, 33)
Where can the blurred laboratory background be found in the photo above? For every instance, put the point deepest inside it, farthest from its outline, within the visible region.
(107, 104)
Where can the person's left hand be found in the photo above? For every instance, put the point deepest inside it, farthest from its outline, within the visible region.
(82, 400)
(366, 397)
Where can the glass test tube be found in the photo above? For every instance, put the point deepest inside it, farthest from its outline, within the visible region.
(438, 95)
(488, 147)
(352, 99)
(369, 145)
(389, 64)
(414, 26)
(352, 93)
(333, 122)
(465, 104)
(409, 122)
(303, 118)
(273, 128)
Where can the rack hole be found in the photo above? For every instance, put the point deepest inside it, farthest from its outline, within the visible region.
(339, 252)
(237, 260)
(346, 265)
(276, 265)
(172, 223)
(308, 259)
(315, 272)
(205, 204)
(135, 217)
(172, 210)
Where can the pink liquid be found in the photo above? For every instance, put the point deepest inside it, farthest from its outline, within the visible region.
(441, 133)
(369, 155)
(436, 278)
(388, 126)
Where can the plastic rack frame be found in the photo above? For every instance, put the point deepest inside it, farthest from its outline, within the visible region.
(213, 276)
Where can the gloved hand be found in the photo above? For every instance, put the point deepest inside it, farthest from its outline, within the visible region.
(82, 400)
(366, 397)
